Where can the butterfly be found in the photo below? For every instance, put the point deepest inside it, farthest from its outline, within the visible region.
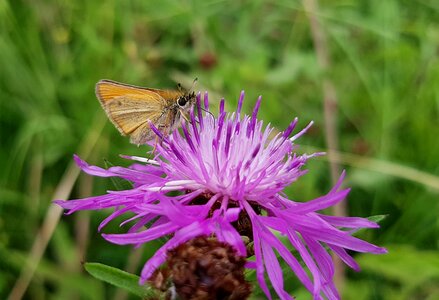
(132, 109)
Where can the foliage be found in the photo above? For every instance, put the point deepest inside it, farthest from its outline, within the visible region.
(120, 279)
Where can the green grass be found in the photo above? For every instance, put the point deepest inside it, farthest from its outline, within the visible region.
(385, 68)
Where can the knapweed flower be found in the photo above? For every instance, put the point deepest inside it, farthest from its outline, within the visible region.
(224, 177)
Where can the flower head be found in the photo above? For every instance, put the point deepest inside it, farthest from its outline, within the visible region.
(229, 175)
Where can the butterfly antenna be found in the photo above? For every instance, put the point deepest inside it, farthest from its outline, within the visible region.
(179, 87)
(213, 117)
(193, 84)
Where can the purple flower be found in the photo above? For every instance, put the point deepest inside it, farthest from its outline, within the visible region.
(226, 169)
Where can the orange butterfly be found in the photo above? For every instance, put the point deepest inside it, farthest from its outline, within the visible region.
(130, 108)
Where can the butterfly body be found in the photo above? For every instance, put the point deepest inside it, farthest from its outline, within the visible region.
(132, 109)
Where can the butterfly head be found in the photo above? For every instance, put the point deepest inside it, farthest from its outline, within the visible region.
(186, 101)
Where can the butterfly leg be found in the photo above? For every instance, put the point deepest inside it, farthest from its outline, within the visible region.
(186, 118)
(155, 145)
(165, 130)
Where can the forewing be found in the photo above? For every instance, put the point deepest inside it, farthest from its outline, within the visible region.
(107, 90)
(128, 107)
(170, 95)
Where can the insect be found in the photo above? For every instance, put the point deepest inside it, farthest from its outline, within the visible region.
(130, 108)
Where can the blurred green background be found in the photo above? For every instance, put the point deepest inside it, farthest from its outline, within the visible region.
(384, 67)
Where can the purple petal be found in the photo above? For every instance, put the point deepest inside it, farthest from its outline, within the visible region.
(339, 238)
(221, 106)
(188, 137)
(290, 128)
(194, 126)
(114, 215)
(309, 261)
(296, 136)
(326, 266)
(274, 271)
(257, 244)
(141, 237)
(91, 170)
(253, 120)
(283, 251)
(345, 257)
(240, 102)
(319, 203)
(349, 222)
(199, 112)
(250, 264)
(206, 100)
(228, 234)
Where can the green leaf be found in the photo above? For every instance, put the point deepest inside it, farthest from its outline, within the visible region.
(377, 218)
(121, 279)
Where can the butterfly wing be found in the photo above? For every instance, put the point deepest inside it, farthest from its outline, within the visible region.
(129, 108)
(164, 123)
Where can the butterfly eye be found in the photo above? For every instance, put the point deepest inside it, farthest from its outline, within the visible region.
(182, 101)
